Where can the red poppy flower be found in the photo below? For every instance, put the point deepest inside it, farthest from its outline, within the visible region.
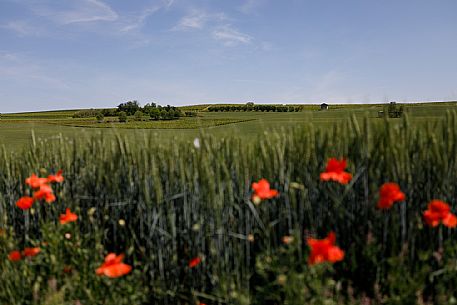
(57, 178)
(195, 262)
(35, 182)
(30, 252)
(25, 202)
(335, 171)
(262, 190)
(45, 192)
(113, 266)
(439, 211)
(388, 194)
(14, 256)
(324, 250)
(68, 217)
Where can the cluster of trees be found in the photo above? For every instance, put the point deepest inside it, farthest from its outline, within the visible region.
(252, 107)
(157, 112)
(150, 111)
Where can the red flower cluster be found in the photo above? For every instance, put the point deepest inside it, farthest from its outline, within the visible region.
(42, 190)
(68, 217)
(388, 194)
(324, 250)
(439, 212)
(113, 266)
(16, 255)
(262, 191)
(335, 171)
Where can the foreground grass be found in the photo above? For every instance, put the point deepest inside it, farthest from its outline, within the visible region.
(163, 205)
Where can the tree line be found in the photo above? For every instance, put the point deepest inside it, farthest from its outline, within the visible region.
(253, 107)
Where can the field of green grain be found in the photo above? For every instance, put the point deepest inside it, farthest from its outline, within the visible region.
(194, 201)
(164, 202)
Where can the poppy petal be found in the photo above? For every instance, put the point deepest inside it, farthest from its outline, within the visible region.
(450, 221)
(117, 270)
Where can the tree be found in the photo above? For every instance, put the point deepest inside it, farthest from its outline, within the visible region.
(138, 116)
(149, 107)
(109, 112)
(122, 117)
(154, 113)
(129, 107)
(100, 117)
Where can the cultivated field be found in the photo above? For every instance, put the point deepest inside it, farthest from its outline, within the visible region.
(16, 129)
(184, 207)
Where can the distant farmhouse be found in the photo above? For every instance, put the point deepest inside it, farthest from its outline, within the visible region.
(324, 106)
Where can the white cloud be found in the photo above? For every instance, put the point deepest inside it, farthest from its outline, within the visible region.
(197, 19)
(231, 37)
(139, 20)
(22, 28)
(79, 12)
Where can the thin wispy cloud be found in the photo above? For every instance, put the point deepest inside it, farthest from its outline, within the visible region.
(21, 28)
(216, 25)
(197, 19)
(137, 20)
(231, 37)
(94, 16)
(77, 12)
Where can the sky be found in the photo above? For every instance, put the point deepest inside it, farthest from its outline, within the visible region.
(73, 54)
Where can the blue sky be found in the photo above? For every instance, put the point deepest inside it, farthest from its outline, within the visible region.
(67, 54)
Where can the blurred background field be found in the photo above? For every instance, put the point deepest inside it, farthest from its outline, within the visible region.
(15, 129)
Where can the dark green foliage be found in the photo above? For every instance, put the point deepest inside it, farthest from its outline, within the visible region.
(109, 112)
(100, 117)
(122, 117)
(162, 112)
(138, 115)
(129, 107)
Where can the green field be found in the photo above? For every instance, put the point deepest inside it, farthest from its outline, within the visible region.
(16, 129)
(164, 202)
